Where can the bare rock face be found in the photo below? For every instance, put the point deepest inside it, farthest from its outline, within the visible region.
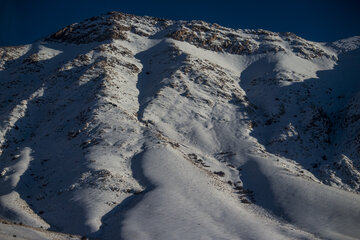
(219, 39)
(112, 26)
(212, 37)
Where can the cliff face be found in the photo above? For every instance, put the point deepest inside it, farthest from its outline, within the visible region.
(139, 127)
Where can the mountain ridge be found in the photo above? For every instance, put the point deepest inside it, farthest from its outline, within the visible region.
(226, 129)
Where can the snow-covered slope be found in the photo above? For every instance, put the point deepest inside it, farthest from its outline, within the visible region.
(127, 127)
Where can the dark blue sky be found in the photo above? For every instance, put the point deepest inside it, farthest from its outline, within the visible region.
(24, 21)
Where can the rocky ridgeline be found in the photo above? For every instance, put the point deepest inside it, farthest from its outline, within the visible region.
(8, 54)
(212, 37)
(345, 45)
(216, 38)
(112, 26)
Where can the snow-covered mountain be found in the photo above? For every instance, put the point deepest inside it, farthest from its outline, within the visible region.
(127, 127)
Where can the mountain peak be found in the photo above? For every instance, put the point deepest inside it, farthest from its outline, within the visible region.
(117, 26)
(128, 127)
(112, 26)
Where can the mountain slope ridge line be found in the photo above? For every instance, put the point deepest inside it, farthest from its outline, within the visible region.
(146, 128)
